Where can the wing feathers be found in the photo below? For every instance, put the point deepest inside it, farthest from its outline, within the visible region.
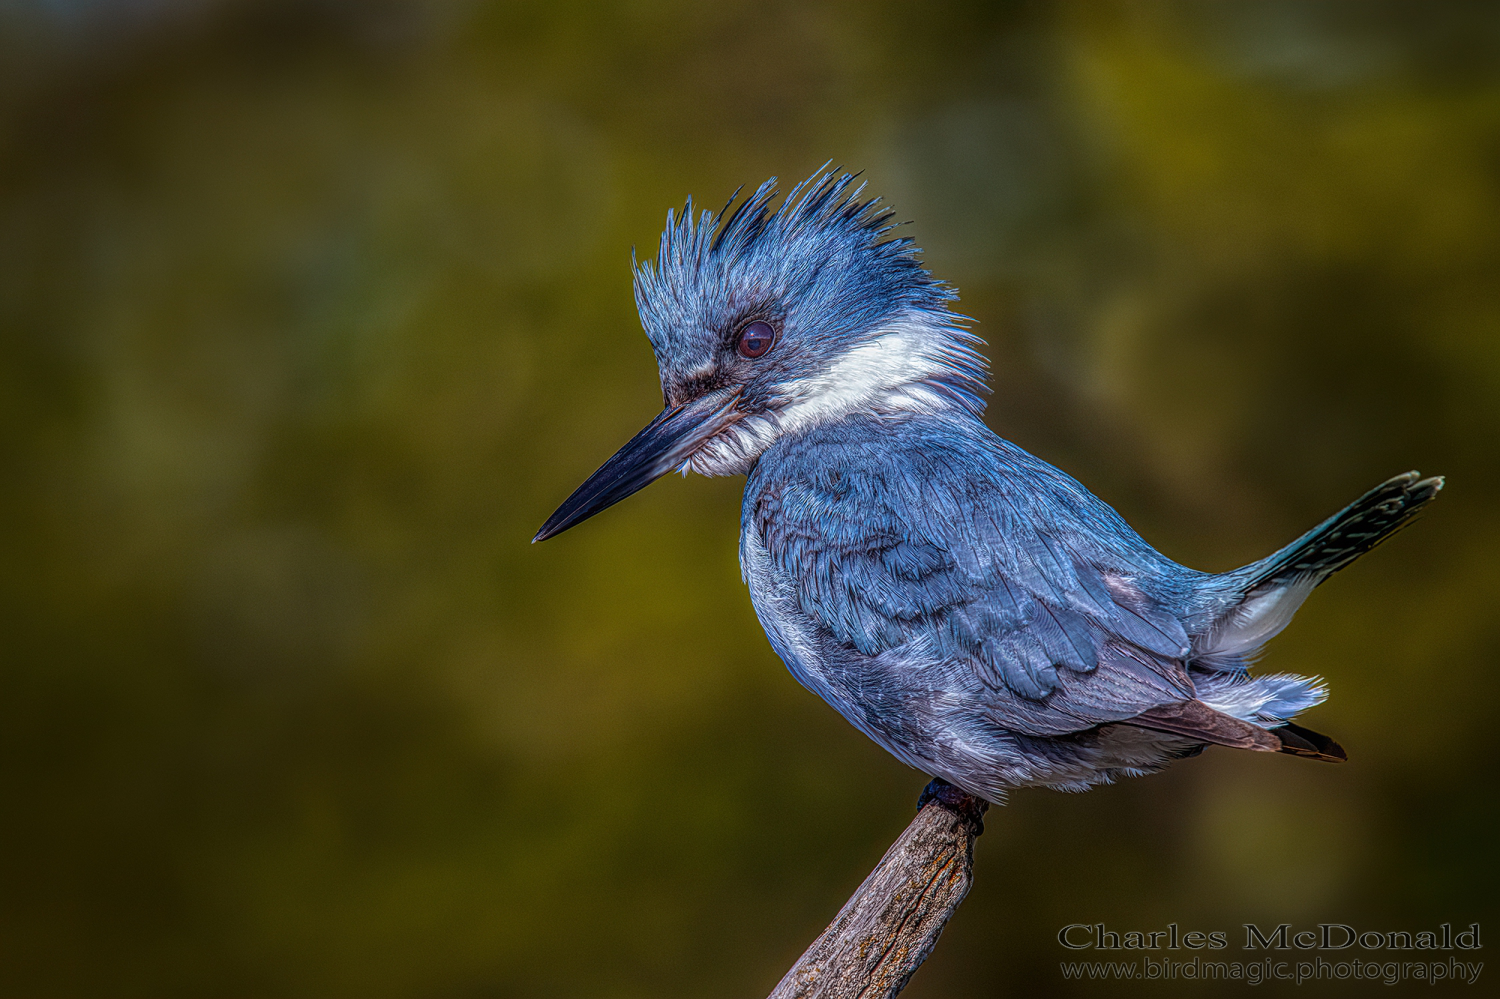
(975, 553)
(1197, 720)
(1306, 743)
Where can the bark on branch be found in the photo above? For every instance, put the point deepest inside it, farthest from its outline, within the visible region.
(892, 921)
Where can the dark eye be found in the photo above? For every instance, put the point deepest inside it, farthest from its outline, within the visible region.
(756, 339)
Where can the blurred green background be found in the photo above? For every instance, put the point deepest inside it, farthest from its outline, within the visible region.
(313, 311)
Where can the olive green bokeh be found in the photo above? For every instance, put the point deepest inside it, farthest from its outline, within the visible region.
(312, 312)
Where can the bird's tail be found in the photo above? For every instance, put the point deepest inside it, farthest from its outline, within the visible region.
(1346, 535)
(1268, 592)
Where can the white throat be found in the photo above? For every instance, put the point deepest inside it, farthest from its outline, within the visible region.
(892, 373)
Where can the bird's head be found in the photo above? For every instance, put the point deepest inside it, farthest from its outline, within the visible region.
(770, 322)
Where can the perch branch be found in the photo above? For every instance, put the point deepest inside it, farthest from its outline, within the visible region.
(892, 921)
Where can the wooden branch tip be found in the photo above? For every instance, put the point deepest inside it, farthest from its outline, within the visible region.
(892, 921)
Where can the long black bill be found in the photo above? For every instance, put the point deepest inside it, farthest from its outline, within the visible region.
(667, 442)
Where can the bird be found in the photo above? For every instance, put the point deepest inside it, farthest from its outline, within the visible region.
(971, 608)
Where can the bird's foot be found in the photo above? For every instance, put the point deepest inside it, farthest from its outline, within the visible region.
(956, 800)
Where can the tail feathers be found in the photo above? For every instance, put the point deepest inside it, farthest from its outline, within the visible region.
(1306, 743)
(1273, 588)
(1348, 534)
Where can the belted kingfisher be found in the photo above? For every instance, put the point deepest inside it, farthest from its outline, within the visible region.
(968, 606)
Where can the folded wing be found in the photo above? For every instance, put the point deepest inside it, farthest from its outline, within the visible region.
(972, 553)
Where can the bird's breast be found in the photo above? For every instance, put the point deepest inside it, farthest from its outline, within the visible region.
(790, 631)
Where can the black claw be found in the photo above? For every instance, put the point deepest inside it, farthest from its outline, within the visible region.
(956, 800)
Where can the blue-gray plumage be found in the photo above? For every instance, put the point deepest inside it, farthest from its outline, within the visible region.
(971, 608)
